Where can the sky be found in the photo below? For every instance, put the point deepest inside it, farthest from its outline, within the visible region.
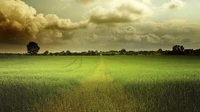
(82, 25)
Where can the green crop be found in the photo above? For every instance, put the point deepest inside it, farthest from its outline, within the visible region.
(99, 84)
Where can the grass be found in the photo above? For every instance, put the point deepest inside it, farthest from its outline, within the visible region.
(115, 84)
(175, 96)
(159, 83)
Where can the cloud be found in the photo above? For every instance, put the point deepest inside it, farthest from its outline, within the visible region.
(186, 40)
(174, 4)
(122, 12)
(147, 1)
(20, 23)
(84, 1)
(143, 33)
(93, 38)
(2, 17)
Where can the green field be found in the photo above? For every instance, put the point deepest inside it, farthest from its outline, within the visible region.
(99, 84)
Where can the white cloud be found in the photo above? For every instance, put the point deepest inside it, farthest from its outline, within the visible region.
(174, 4)
(120, 12)
(147, 1)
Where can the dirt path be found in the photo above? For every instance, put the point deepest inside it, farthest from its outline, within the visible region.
(97, 89)
(98, 93)
(99, 75)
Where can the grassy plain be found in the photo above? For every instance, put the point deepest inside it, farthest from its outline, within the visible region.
(99, 84)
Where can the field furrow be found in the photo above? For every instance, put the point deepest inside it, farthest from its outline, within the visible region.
(98, 93)
(99, 84)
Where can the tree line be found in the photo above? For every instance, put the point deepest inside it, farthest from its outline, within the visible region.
(33, 48)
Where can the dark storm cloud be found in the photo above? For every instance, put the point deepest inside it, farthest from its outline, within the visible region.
(2, 17)
(20, 23)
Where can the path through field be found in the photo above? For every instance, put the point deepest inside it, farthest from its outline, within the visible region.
(99, 84)
(98, 93)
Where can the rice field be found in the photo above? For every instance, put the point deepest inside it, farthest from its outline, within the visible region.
(99, 84)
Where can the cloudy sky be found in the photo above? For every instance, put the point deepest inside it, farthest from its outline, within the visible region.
(81, 25)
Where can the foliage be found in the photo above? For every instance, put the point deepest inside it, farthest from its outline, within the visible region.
(46, 53)
(32, 48)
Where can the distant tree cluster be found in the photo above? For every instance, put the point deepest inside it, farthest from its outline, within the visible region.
(69, 53)
(180, 50)
(33, 48)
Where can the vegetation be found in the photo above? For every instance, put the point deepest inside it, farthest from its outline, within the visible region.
(32, 48)
(99, 83)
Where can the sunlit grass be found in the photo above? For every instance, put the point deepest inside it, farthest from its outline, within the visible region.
(159, 83)
(36, 83)
(116, 83)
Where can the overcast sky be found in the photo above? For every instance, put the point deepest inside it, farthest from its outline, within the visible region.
(81, 25)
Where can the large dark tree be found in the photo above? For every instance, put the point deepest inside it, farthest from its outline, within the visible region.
(33, 48)
(177, 49)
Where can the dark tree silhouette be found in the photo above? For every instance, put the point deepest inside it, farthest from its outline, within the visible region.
(160, 50)
(46, 53)
(68, 52)
(177, 49)
(182, 48)
(123, 51)
(33, 48)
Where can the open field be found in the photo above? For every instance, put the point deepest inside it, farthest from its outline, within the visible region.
(99, 84)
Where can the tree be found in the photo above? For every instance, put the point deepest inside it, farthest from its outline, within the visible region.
(46, 53)
(160, 51)
(177, 49)
(32, 48)
(123, 51)
(63, 53)
(68, 52)
(182, 48)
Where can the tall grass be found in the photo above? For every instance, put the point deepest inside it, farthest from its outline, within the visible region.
(136, 84)
(159, 83)
(35, 84)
